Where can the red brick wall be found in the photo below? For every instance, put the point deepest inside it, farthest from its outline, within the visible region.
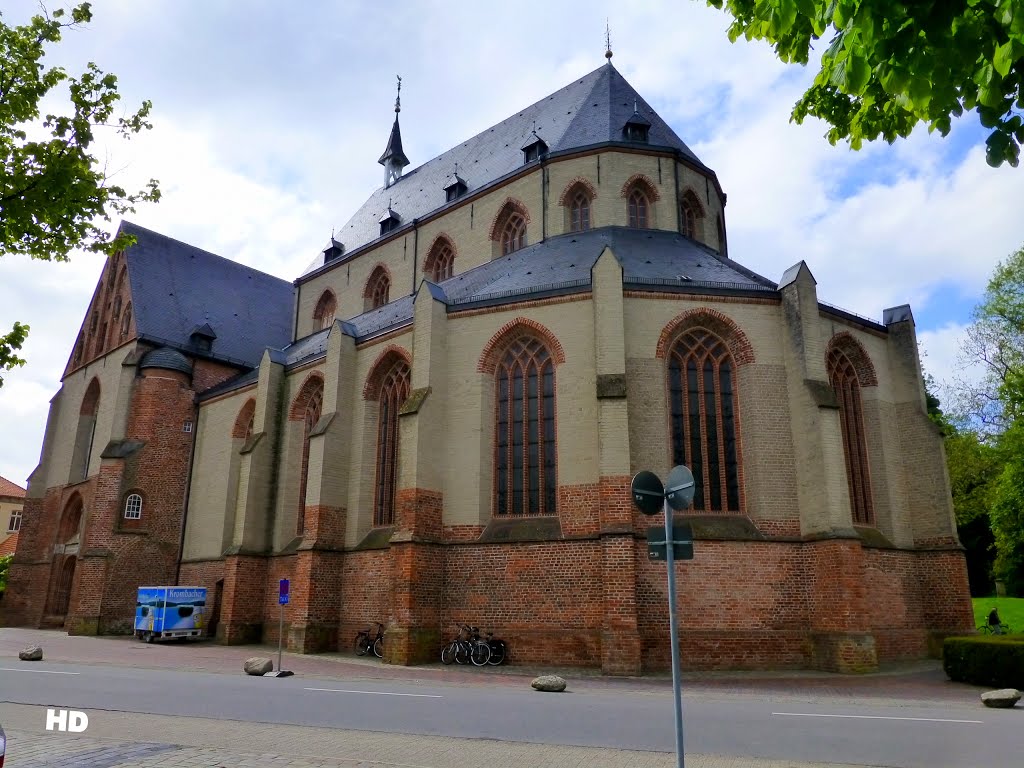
(366, 595)
(277, 568)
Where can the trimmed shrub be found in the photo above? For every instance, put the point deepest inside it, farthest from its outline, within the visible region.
(992, 660)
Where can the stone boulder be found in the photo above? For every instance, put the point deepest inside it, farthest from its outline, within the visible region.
(258, 665)
(34, 653)
(552, 683)
(1001, 699)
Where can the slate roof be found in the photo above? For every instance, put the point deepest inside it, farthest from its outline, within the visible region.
(166, 358)
(177, 287)
(587, 112)
(9, 489)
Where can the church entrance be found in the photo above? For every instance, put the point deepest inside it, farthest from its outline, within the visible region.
(62, 594)
(62, 573)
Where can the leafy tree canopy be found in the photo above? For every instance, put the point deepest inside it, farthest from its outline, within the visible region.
(891, 65)
(54, 192)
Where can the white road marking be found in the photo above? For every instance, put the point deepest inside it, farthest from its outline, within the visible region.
(38, 671)
(879, 717)
(379, 693)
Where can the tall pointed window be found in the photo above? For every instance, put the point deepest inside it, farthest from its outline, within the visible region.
(525, 475)
(126, 321)
(306, 407)
(579, 212)
(86, 432)
(692, 216)
(440, 263)
(702, 395)
(637, 208)
(843, 377)
(323, 315)
(513, 235)
(509, 228)
(394, 390)
(377, 289)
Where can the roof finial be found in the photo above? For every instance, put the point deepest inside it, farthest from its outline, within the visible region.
(398, 98)
(607, 40)
(636, 108)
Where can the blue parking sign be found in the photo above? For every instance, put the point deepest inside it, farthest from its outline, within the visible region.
(283, 594)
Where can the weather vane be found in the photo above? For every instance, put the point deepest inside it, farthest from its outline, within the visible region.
(398, 98)
(607, 40)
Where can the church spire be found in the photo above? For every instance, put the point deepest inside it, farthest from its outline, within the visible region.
(608, 40)
(394, 159)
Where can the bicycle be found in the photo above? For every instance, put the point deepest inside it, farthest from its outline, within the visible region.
(498, 650)
(364, 642)
(467, 645)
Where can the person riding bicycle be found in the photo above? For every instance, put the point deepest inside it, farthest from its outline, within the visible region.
(994, 623)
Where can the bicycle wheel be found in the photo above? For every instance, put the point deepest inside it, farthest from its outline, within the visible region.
(378, 647)
(461, 652)
(362, 644)
(448, 653)
(497, 653)
(481, 653)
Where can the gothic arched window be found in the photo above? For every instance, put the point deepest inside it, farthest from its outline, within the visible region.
(702, 403)
(692, 216)
(323, 315)
(126, 321)
(525, 473)
(637, 208)
(579, 212)
(394, 390)
(307, 407)
(843, 376)
(513, 234)
(440, 263)
(377, 289)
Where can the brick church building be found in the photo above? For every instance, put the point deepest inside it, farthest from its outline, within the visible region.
(437, 422)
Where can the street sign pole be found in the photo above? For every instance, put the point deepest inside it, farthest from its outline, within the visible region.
(282, 600)
(280, 635)
(673, 629)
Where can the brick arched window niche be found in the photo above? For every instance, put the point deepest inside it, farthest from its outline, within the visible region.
(126, 321)
(692, 216)
(245, 420)
(640, 195)
(85, 433)
(577, 201)
(323, 314)
(525, 449)
(71, 520)
(306, 408)
(509, 229)
(440, 262)
(847, 382)
(378, 288)
(133, 506)
(389, 385)
(703, 424)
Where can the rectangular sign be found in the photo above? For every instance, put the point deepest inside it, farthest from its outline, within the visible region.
(682, 543)
(282, 597)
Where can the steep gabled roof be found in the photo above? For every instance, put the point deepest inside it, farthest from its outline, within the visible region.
(9, 489)
(176, 287)
(590, 111)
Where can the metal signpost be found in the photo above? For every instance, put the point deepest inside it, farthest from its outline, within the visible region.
(282, 600)
(650, 496)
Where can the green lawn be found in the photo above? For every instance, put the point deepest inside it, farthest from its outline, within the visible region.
(1011, 611)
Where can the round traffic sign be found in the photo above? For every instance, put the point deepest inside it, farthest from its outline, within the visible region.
(680, 488)
(648, 492)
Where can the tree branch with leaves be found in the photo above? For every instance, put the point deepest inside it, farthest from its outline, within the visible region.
(54, 193)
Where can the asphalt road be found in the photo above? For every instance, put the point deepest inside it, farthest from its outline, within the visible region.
(723, 724)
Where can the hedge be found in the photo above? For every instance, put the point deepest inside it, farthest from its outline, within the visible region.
(992, 660)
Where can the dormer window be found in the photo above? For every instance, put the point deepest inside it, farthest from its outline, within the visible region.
(454, 188)
(637, 128)
(202, 337)
(389, 221)
(534, 149)
(333, 251)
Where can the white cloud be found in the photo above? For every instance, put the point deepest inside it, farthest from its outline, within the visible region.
(269, 123)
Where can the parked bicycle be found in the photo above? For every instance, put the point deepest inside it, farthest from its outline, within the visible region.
(365, 642)
(467, 646)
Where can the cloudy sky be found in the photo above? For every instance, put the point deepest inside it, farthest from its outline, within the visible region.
(269, 119)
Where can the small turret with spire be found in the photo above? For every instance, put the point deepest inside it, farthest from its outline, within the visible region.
(394, 159)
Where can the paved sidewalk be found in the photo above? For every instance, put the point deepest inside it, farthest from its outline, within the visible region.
(174, 742)
(914, 683)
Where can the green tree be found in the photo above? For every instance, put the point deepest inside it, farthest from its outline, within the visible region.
(54, 193)
(891, 65)
(5, 564)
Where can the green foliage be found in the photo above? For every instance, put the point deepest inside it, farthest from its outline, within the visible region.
(54, 193)
(1011, 611)
(995, 660)
(889, 66)
(1007, 513)
(5, 564)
